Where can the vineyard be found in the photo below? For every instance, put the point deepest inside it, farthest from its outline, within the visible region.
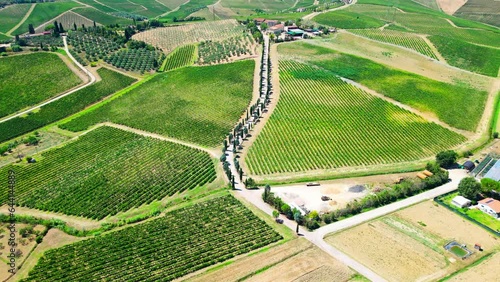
(181, 242)
(210, 52)
(169, 38)
(140, 60)
(181, 57)
(407, 40)
(100, 17)
(187, 8)
(107, 171)
(322, 122)
(12, 15)
(111, 82)
(93, 46)
(422, 93)
(195, 104)
(30, 79)
(68, 20)
(43, 13)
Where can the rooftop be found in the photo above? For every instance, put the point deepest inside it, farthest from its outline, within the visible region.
(492, 203)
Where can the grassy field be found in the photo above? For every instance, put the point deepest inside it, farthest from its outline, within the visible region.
(198, 236)
(322, 122)
(419, 92)
(268, 6)
(44, 12)
(111, 82)
(187, 9)
(348, 20)
(99, 6)
(30, 79)
(480, 10)
(12, 15)
(403, 39)
(100, 17)
(411, 241)
(153, 8)
(108, 171)
(478, 215)
(172, 4)
(195, 104)
(169, 38)
(181, 57)
(68, 20)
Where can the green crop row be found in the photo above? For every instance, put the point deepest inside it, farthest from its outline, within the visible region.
(181, 57)
(322, 122)
(163, 249)
(107, 171)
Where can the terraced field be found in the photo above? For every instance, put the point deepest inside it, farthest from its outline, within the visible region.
(169, 38)
(30, 79)
(107, 171)
(322, 122)
(407, 40)
(181, 242)
(195, 104)
(12, 15)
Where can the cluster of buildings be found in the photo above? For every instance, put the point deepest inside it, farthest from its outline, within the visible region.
(286, 32)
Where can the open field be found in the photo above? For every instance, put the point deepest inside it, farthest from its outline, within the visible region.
(100, 17)
(426, 95)
(450, 6)
(98, 6)
(153, 7)
(68, 20)
(30, 79)
(194, 240)
(349, 20)
(181, 57)
(12, 15)
(147, 8)
(325, 138)
(186, 9)
(268, 6)
(481, 10)
(483, 271)
(407, 40)
(115, 171)
(172, 4)
(45, 12)
(169, 38)
(195, 104)
(110, 83)
(408, 244)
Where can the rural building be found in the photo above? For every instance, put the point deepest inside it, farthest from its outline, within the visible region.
(490, 206)
(288, 28)
(296, 32)
(259, 20)
(461, 202)
(271, 23)
(489, 167)
(468, 165)
(277, 29)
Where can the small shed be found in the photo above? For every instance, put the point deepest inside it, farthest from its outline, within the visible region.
(468, 165)
(461, 201)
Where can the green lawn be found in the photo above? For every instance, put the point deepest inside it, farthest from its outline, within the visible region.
(195, 104)
(417, 91)
(321, 122)
(30, 79)
(44, 12)
(12, 15)
(348, 20)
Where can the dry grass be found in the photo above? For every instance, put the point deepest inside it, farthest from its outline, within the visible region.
(485, 271)
(408, 245)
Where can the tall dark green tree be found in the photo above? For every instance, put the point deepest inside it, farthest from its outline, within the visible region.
(446, 158)
(31, 29)
(56, 27)
(74, 27)
(61, 28)
(469, 188)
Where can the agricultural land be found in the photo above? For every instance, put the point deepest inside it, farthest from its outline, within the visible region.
(238, 140)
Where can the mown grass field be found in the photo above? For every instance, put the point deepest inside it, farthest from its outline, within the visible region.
(12, 15)
(195, 104)
(422, 93)
(321, 122)
(44, 12)
(181, 57)
(107, 171)
(181, 242)
(100, 17)
(423, 20)
(30, 79)
(111, 82)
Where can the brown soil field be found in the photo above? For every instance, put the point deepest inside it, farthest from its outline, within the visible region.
(487, 270)
(408, 245)
(323, 273)
(450, 6)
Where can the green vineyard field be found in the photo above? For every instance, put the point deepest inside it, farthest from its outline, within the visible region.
(45, 12)
(179, 243)
(195, 104)
(407, 40)
(12, 15)
(181, 57)
(30, 79)
(107, 171)
(322, 122)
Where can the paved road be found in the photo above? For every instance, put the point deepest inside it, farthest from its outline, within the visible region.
(92, 80)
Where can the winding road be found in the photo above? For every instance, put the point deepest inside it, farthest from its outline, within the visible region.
(88, 73)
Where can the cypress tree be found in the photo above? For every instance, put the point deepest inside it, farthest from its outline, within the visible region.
(56, 27)
(31, 29)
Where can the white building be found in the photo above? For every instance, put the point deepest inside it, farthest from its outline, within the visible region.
(490, 206)
(461, 202)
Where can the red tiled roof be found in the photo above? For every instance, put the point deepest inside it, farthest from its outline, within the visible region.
(492, 203)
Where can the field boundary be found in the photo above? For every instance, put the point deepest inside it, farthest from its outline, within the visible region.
(440, 202)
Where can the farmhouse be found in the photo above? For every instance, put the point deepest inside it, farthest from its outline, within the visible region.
(271, 23)
(461, 201)
(490, 206)
(277, 29)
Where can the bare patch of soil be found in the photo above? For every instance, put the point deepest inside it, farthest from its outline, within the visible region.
(450, 6)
